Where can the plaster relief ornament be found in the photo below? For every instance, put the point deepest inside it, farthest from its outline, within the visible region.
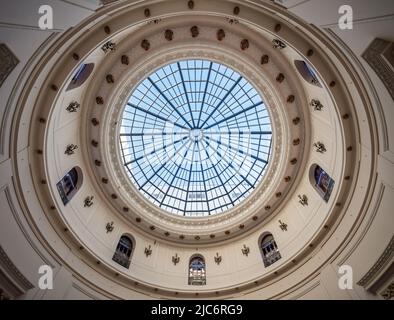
(110, 78)
(277, 44)
(108, 47)
(99, 100)
(125, 60)
(316, 104)
(88, 202)
(282, 225)
(244, 44)
(70, 149)
(148, 251)
(245, 250)
(73, 107)
(232, 21)
(169, 35)
(264, 59)
(145, 44)
(218, 259)
(175, 259)
(303, 199)
(280, 77)
(194, 31)
(220, 34)
(320, 147)
(109, 226)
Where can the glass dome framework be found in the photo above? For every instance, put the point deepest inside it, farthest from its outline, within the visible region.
(195, 138)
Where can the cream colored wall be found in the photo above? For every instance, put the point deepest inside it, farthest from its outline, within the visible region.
(19, 31)
(361, 253)
(370, 22)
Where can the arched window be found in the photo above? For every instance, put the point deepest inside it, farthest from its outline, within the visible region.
(322, 182)
(307, 72)
(269, 249)
(70, 184)
(197, 271)
(123, 251)
(81, 75)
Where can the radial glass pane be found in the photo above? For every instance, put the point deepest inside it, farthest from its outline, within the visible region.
(195, 138)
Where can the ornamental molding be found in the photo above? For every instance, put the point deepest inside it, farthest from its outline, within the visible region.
(8, 61)
(384, 260)
(208, 49)
(10, 270)
(380, 57)
(116, 161)
(184, 294)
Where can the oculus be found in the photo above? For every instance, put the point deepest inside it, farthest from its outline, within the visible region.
(195, 138)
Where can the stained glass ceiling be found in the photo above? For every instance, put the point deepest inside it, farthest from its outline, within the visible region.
(195, 138)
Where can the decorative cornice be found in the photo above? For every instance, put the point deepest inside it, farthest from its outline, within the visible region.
(222, 293)
(388, 293)
(8, 62)
(10, 270)
(385, 258)
(181, 48)
(380, 57)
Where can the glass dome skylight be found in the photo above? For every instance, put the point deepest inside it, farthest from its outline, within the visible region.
(195, 138)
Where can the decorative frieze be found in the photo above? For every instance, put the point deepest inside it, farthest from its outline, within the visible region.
(388, 293)
(380, 57)
(8, 61)
(385, 258)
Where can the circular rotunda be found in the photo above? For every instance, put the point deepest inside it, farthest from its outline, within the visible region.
(198, 149)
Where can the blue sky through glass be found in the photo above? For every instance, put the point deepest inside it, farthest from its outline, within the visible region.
(195, 138)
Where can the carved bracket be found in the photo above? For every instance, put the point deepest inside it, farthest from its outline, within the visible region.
(320, 147)
(70, 149)
(303, 199)
(88, 202)
(109, 226)
(148, 251)
(245, 250)
(218, 259)
(175, 259)
(282, 226)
